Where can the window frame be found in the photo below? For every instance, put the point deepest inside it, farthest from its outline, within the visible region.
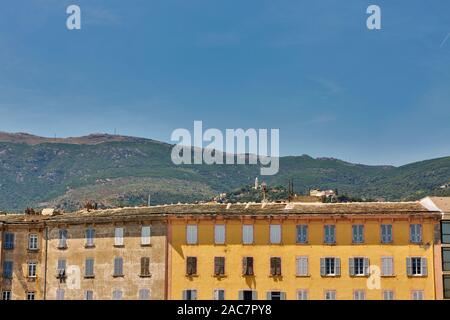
(146, 235)
(275, 234)
(358, 233)
(248, 230)
(32, 269)
(33, 238)
(190, 228)
(217, 239)
(414, 233)
(329, 234)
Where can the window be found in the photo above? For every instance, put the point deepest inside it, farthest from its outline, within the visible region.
(89, 295)
(191, 234)
(330, 266)
(59, 294)
(118, 267)
(416, 266)
(388, 295)
(6, 295)
(8, 241)
(358, 233)
(191, 266)
(145, 235)
(275, 234)
(90, 235)
(32, 266)
(359, 295)
(31, 295)
(358, 266)
(275, 266)
(62, 237)
(330, 295)
(387, 266)
(145, 267)
(89, 268)
(302, 233)
(144, 294)
(415, 233)
(302, 294)
(330, 234)
(32, 241)
(417, 295)
(61, 268)
(219, 266)
(276, 295)
(446, 259)
(118, 236)
(190, 295)
(386, 233)
(445, 229)
(248, 295)
(117, 294)
(219, 234)
(302, 266)
(446, 281)
(247, 234)
(219, 294)
(8, 269)
(247, 266)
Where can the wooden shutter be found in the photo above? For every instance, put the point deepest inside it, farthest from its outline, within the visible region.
(408, 266)
(278, 266)
(283, 296)
(337, 262)
(145, 235)
(423, 265)
(118, 236)
(219, 234)
(322, 267)
(351, 266)
(366, 266)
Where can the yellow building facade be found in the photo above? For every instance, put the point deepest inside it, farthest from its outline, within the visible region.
(402, 254)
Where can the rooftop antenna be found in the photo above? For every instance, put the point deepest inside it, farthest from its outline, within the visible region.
(148, 200)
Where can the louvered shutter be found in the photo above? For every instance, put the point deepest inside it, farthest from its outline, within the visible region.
(269, 295)
(366, 266)
(241, 295)
(424, 266)
(254, 295)
(283, 296)
(322, 267)
(338, 266)
(351, 266)
(408, 266)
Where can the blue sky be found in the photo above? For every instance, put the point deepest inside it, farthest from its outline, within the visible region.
(310, 68)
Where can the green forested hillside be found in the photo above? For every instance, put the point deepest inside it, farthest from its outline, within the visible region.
(124, 173)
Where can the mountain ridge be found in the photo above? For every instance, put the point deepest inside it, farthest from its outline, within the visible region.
(122, 171)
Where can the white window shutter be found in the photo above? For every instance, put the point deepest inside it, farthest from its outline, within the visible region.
(219, 234)
(283, 295)
(408, 266)
(351, 266)
(241, 295)
(338, 266)
(145, 235)
(424, 266)
(366, 266)
(118, 236)
(269, 295)
(322, 267)
(191, 234)
(275, 233)
(254, 295)
(247, 232)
